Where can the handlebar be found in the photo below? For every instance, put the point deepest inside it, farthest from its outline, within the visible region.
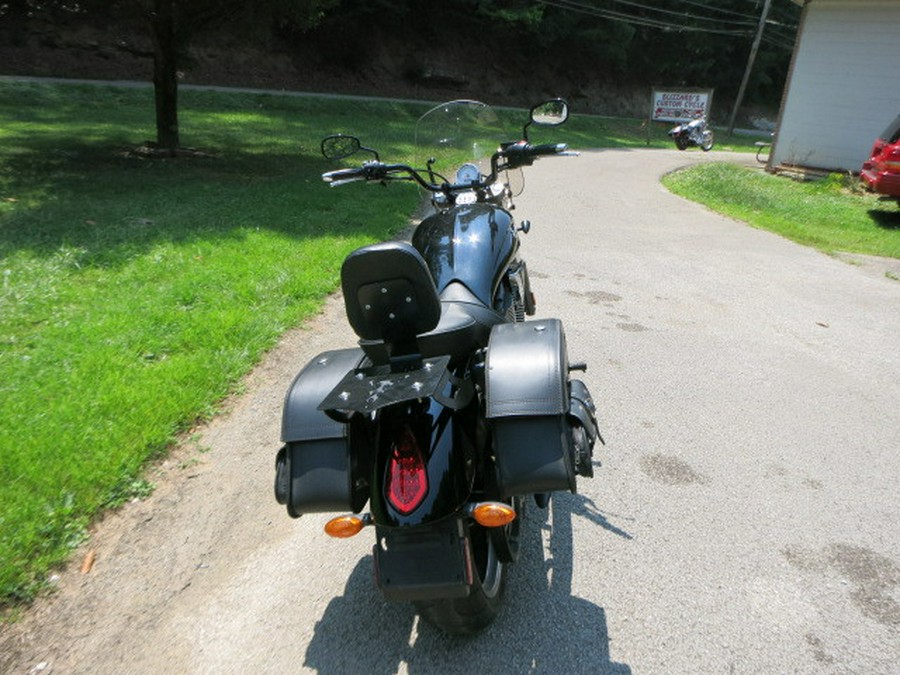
(513, 156)
(379, 171)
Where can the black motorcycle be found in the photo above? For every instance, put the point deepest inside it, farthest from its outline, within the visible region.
(453, 409)
(695, 132)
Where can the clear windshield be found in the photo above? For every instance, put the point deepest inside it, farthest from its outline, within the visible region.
(461, 132)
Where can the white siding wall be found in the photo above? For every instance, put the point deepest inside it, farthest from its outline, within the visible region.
(845, 85)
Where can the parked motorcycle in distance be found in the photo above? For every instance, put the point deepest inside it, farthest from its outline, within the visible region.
(454, 410)
(691, 133)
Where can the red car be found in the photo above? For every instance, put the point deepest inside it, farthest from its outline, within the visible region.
(881, 172)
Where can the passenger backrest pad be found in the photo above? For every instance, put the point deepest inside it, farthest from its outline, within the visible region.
(389, 293)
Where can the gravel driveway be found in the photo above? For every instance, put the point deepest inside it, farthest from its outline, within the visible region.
(743, 520)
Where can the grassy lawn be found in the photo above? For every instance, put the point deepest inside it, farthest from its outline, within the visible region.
(135, 292)
(831, 214)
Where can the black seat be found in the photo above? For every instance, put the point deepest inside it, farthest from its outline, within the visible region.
(464, 319)
(464, 326)
(393, 306)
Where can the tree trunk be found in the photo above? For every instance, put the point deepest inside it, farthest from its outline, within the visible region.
(165, 73)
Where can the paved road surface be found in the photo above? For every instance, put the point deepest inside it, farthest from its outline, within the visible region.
(744, 519)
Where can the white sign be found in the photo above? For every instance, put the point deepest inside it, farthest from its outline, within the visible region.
(680, 106)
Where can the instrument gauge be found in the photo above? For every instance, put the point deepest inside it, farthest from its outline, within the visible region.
(468, 174)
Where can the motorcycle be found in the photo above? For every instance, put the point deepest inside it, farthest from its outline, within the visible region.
(454, 410)
(691, 133)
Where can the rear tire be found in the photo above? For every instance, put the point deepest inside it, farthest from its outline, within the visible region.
(508, 539)
(681, 142)
(465, 616)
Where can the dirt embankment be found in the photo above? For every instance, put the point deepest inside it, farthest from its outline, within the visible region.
(407, 69)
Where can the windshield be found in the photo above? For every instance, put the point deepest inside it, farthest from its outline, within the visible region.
(461, 132)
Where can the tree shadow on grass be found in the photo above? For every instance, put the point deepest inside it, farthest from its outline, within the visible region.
(69, 176)
(886, 219)
(73, 197)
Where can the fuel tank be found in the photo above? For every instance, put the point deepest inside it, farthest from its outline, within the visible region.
(471, 244)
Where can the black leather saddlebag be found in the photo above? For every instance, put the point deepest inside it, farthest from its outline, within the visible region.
(527, 372)
(323, 465)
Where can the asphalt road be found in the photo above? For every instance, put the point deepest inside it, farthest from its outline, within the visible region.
(743, 520)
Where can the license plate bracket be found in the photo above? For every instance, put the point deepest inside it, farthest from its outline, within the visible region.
(371, 388)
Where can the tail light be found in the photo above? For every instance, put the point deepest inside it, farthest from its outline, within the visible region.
(407, 478)
(892, 160)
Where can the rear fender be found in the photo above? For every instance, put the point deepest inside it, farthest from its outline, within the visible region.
(447, 439)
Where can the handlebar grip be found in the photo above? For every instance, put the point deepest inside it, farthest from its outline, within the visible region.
(549, 149)
(343, 175)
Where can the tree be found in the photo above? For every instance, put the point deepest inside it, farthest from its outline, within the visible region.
(161, 22)
(172, 24)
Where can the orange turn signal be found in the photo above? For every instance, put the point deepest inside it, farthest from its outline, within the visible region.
(493, 514)
(344, 527)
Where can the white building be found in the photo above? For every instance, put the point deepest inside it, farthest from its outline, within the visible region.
(844, 84)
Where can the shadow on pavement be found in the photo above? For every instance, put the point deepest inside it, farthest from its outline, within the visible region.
(541, 628)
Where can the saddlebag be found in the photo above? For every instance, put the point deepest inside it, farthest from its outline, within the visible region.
(323, 465)
(542, 423)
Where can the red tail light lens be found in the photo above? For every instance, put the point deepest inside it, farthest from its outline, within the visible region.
(407, 478)
(892, 159)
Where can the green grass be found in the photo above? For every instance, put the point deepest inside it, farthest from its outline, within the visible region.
(134, 293)
(831, 215)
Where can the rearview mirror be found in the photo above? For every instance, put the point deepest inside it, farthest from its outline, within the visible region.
(550, 113)
(339, 146)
